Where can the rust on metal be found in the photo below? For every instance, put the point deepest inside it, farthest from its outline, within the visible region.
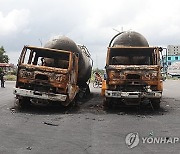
(49, 72)
(133, 73)
(133, 65)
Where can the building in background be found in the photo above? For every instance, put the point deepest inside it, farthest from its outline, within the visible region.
(174, 69)
(7, 67)
(173, 54)
(172, 60)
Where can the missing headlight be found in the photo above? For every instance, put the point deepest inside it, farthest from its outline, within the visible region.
(26, 74)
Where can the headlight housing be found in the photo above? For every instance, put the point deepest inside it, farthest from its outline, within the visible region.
(23, 73)
(117, 75)
(154, 74)
(111, 74)
(150, 75)
(58, 77)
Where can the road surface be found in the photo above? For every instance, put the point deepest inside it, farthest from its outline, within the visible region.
(88, 129)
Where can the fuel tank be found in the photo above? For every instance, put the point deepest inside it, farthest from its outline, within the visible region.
(129, 38)
(84, 65)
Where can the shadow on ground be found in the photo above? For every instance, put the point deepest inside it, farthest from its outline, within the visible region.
(92, 104)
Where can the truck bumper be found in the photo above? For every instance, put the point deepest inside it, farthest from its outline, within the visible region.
(39, 95)
(119, 94)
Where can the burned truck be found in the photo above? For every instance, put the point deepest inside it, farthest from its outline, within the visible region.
(56, 72)
(133, 72)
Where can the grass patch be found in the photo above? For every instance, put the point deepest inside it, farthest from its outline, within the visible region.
(10, 77)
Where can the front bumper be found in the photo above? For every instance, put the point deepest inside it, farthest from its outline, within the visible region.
(39, 95)
(119, 94)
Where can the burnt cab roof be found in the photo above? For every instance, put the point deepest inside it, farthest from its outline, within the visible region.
(40, 49)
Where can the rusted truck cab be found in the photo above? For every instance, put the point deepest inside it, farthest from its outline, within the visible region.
(133, 76)
(46, 75)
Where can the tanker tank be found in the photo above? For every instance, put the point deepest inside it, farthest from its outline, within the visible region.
(84, 64)
(129, 38)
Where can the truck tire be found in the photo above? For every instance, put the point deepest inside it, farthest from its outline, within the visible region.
(84, 92)
(156, 103)
(23, 102)
(107, 103)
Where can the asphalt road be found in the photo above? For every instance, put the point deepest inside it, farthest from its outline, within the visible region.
(88, 128)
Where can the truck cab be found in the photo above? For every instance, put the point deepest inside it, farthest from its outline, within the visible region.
(46, 75)
(133, 76)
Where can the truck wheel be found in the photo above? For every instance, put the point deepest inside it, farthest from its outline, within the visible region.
(73, 103)
(87, 92)
(84, 92)
(23, 103)
(107, 104)
(156, 104)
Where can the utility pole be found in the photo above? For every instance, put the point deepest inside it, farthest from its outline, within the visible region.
(40, 42)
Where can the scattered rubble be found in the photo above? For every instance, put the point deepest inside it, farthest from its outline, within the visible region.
(51, 124)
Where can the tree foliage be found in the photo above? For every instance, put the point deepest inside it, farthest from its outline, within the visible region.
(101, 71)
(3, 57)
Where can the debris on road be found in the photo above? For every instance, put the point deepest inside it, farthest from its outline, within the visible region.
(51, 124)
(101, 119)
(29, 148)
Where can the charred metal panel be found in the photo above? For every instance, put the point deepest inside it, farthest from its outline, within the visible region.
(126, 76)
(47, 74)
(133, 76)
(133, 70)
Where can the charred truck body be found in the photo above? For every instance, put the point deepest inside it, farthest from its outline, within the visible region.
(133, 71)
(54, 73)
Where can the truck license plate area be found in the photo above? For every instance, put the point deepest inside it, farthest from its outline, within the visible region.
(122, 94)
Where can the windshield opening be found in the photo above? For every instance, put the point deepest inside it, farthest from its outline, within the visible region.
(44, 57)
(131, 56)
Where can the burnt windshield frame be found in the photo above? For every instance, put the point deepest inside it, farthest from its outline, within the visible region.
(36, 55)
(131, 56)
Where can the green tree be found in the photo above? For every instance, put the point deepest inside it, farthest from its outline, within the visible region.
(101, 71)
(3, 57)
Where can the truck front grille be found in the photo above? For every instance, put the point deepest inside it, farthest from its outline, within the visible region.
(41, 77)
(133, 76)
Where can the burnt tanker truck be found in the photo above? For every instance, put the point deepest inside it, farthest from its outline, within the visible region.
(133, 72)
(57, 72)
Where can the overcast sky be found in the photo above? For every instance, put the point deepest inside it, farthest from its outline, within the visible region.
(88, 22)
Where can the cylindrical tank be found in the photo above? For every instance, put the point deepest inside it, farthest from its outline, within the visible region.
(129, 38)
(84, 65)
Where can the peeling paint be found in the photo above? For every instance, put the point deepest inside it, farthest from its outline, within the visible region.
(133, 70)
(47, 74)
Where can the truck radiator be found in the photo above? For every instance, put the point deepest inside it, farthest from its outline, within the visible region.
(133, 76)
